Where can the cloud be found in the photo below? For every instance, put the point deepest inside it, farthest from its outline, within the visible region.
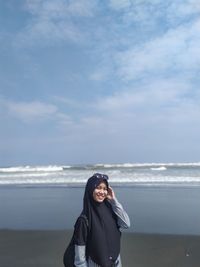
(159, 100)
(55, 21)
(183, 10)
(29, 111)
(151, 96)
(141, 71)
(61, 8)
(145, 11)
(175, 52)
(147, 38)
(155, 111)
(99, 74)
(35, 113)
(119, 4)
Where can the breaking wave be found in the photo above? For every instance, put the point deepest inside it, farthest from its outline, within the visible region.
(147, 174)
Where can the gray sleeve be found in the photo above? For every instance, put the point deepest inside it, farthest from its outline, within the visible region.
(80, 259)
(122, 217)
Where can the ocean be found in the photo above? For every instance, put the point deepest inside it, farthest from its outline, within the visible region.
(159, 197)
(147, 174)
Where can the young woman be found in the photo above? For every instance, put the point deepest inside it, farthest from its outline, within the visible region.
(97, 243)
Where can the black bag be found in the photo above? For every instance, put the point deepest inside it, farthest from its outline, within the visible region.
(68, 257)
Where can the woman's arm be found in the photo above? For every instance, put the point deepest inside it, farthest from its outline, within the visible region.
(123, 218)
(80, 239)
(80, 258)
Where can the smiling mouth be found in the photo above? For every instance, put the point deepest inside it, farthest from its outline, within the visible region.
(100, 196)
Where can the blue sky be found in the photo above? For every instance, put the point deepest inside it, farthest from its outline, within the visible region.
(108, 81)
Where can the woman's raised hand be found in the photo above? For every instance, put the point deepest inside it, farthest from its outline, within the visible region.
(111, 193)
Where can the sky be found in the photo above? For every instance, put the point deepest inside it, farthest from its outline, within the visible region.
(99, 81)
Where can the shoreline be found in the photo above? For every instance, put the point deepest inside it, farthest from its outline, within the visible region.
(45, 248)
(151, 210)
(145, 185)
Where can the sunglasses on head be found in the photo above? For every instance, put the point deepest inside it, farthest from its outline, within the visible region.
(101, 176)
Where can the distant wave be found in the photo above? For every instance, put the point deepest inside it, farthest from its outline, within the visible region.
(56, 168)
(120, 174)
(124, 165)
(50, 168)
(162, 168)
(133, 165)
(75, 181)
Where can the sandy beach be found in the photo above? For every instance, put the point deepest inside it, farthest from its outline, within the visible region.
(23, 248)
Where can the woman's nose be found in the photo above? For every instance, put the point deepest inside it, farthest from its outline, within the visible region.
(101, 191)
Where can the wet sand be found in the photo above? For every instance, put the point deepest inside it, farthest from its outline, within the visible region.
(23, 248)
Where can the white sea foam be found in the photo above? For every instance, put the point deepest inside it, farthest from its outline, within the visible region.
(50, 168)
(162, 168)
(154, 164)
(120, 174)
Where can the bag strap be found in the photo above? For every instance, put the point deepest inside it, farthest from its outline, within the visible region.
(85, 218)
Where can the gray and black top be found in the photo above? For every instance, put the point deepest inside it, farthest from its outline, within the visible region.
(97, 244)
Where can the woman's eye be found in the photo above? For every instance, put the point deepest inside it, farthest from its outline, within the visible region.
(104, 189)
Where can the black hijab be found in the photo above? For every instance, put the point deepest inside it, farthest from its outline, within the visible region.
(104, 236)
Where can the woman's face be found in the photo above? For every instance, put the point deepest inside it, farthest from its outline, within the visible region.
(100, 192)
